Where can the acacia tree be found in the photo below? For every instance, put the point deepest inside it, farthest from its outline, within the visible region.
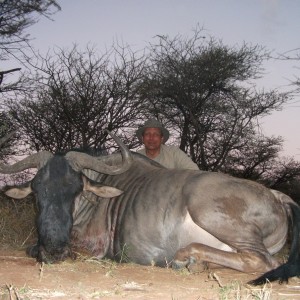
(203, 91)
(78, 95)
(293, 56)
(15, 18)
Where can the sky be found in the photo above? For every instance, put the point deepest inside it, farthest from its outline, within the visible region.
(274, 24)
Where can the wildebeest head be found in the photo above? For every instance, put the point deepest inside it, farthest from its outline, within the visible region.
(56, 184)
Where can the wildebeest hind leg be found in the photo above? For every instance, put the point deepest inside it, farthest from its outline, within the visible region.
(245, 261)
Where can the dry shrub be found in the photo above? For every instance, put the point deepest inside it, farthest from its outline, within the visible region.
(17, 222)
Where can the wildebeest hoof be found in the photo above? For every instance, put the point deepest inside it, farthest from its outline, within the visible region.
(180, 264)
(177, 264)
(198, 267)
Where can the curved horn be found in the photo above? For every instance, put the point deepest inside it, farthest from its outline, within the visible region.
(81, 161)
(36, 160)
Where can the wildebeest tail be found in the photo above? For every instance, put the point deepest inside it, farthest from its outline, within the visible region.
(292, 267)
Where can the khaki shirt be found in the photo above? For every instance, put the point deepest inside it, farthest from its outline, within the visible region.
(172, 157)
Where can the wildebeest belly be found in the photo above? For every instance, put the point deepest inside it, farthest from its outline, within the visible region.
(152, 246)
(192, 233)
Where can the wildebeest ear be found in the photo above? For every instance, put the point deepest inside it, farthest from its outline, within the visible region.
(18, 192)
(99, 189)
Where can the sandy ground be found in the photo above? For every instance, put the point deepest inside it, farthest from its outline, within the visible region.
(22, 277)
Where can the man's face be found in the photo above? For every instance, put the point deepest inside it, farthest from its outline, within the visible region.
(152, 138)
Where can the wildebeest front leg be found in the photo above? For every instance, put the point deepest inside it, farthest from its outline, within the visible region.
(245, 261)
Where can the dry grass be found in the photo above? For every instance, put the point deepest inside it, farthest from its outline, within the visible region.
(17, 222)
(238, 291)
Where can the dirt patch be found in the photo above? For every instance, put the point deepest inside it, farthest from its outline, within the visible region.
(22, 277)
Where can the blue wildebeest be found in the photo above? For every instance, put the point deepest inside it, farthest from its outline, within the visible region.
(185, 218)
